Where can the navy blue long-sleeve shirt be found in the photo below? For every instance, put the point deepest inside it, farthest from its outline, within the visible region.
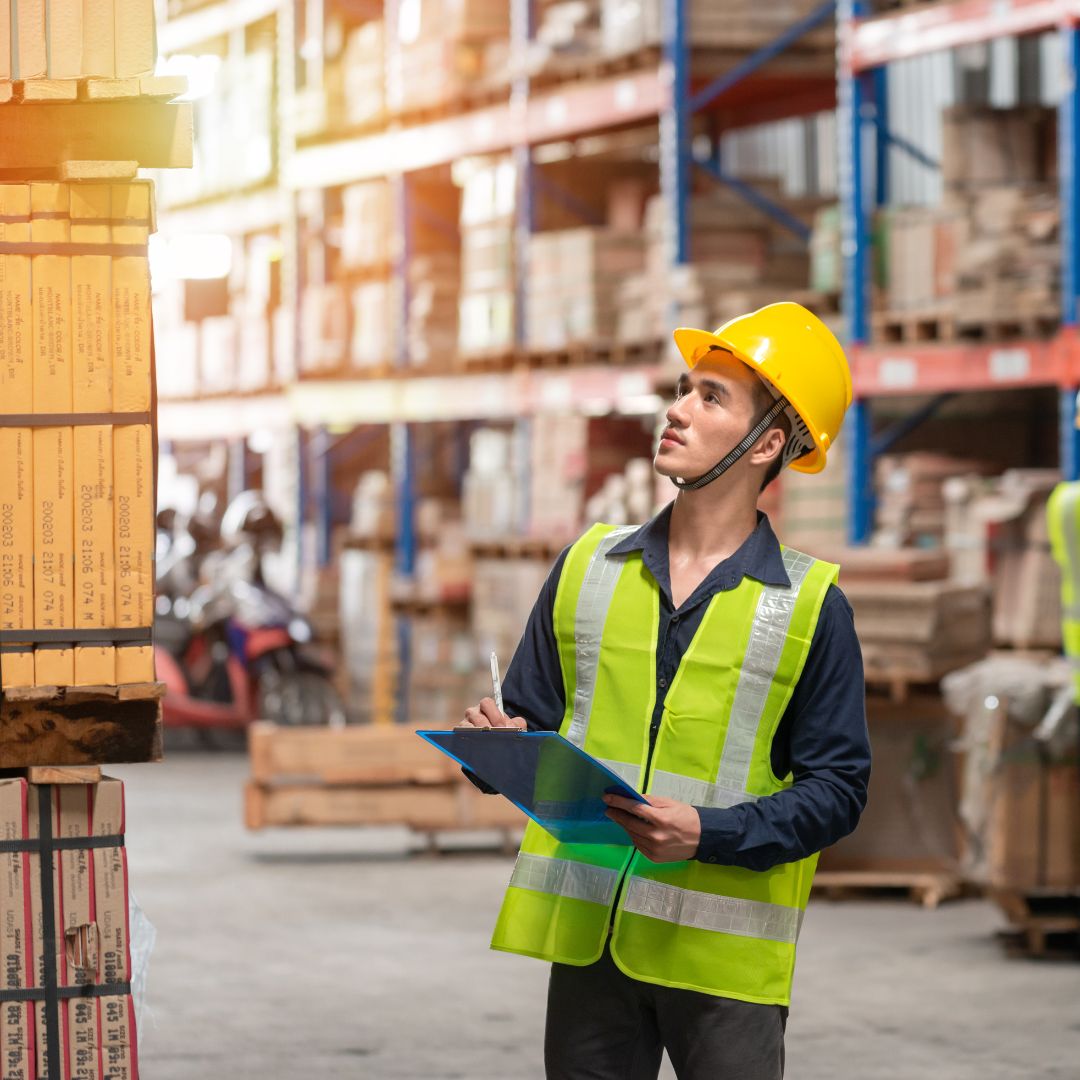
(822, 737)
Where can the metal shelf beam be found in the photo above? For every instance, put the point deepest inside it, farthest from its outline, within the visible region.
(569, 111)
(890, 370)
(933, 28)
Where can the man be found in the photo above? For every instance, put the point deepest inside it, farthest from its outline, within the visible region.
(720, 675)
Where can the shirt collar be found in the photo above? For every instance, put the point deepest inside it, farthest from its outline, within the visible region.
(759, 556)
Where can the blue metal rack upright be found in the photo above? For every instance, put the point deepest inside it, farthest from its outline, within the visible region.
(867, 46)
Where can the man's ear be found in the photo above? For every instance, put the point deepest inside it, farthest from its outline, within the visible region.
(769, 446)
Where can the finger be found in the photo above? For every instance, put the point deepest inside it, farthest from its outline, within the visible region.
(632, 806)
(476, 718)
(491, 711)
(633, 825)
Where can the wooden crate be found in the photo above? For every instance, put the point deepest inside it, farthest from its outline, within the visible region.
(370, 775)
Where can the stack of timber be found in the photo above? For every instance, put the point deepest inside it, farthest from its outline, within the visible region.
(1019, 795)
(363, 776)
(80, 114)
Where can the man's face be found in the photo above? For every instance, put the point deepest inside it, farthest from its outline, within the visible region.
(714, 408)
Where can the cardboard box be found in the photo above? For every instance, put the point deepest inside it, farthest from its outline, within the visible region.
(91, 289)
(16, 1018)
(132, 217)
(134, 540)
(16, 444)
(89, 933)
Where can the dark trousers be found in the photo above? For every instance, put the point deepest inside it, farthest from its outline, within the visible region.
(603, 1025)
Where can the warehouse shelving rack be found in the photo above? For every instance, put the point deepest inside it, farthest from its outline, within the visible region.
(663, 89)
(866, 47)
(745, 95)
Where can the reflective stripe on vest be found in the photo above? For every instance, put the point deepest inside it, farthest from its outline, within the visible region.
(1063, 522)
(565, 877)
(708, 911)
(767, 637)
(593, 603)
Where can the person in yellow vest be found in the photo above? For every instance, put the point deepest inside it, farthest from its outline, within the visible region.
(719, 673)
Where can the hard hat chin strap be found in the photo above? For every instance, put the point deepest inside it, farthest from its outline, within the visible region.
(759, 429)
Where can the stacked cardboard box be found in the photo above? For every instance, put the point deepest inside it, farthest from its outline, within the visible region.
(989, 253)
(78, 497)
(365, 230)
(504, 591)
(573, 283)
(920, 630)
(65, 927)
(70, 39)
(373, 323)
(911, 496)
(441, 50)
(1020, 772)
(567, 32)
(486, 312)
(432, 330)
(368, 632)
(628, 25)
(242, 99)
(740, 261)
(576, 456)
(813, 506)
(997, 533)
(364, 74)
(443, 682)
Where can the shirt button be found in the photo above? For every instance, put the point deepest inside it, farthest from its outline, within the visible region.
(712, 858)
(663, 683)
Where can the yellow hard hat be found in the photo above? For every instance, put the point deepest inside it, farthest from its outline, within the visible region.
(798, 356)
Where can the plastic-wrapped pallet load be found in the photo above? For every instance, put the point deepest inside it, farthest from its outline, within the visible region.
(65, 986)
(75, 422)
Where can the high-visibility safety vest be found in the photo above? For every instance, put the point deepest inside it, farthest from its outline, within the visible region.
(720, 930)
(1063, 522)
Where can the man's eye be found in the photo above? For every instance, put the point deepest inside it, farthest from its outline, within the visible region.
(713, 398)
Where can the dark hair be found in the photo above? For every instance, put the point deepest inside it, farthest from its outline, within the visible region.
(763, 401)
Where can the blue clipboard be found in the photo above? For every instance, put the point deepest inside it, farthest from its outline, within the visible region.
(549, 778)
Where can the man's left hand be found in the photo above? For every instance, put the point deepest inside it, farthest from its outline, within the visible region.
(663, 830)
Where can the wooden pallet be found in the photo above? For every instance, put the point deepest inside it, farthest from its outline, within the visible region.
(927, 888)
(1008, 327)
(1043, 924)
(80, 725)
(913, 326)
(519, 547)
(497, 360)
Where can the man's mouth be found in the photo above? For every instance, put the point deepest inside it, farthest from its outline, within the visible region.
(671, 436)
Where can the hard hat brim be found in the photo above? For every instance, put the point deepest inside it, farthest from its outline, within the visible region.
(694, 344)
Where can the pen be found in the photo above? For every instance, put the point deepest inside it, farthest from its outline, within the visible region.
(496, 682)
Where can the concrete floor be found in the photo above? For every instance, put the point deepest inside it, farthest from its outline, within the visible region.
(325, 954)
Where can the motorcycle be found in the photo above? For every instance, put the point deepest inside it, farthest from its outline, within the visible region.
(235, 651)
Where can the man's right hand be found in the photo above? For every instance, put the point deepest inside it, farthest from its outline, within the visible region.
(487, 715)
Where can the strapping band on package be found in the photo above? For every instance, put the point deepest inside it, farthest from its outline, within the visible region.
(52, 993)
(55, 247)
(32, 420)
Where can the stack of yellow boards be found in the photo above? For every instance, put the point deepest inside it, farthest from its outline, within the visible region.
(76, 436)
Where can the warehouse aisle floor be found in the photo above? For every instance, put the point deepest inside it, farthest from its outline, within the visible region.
(291, 955)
